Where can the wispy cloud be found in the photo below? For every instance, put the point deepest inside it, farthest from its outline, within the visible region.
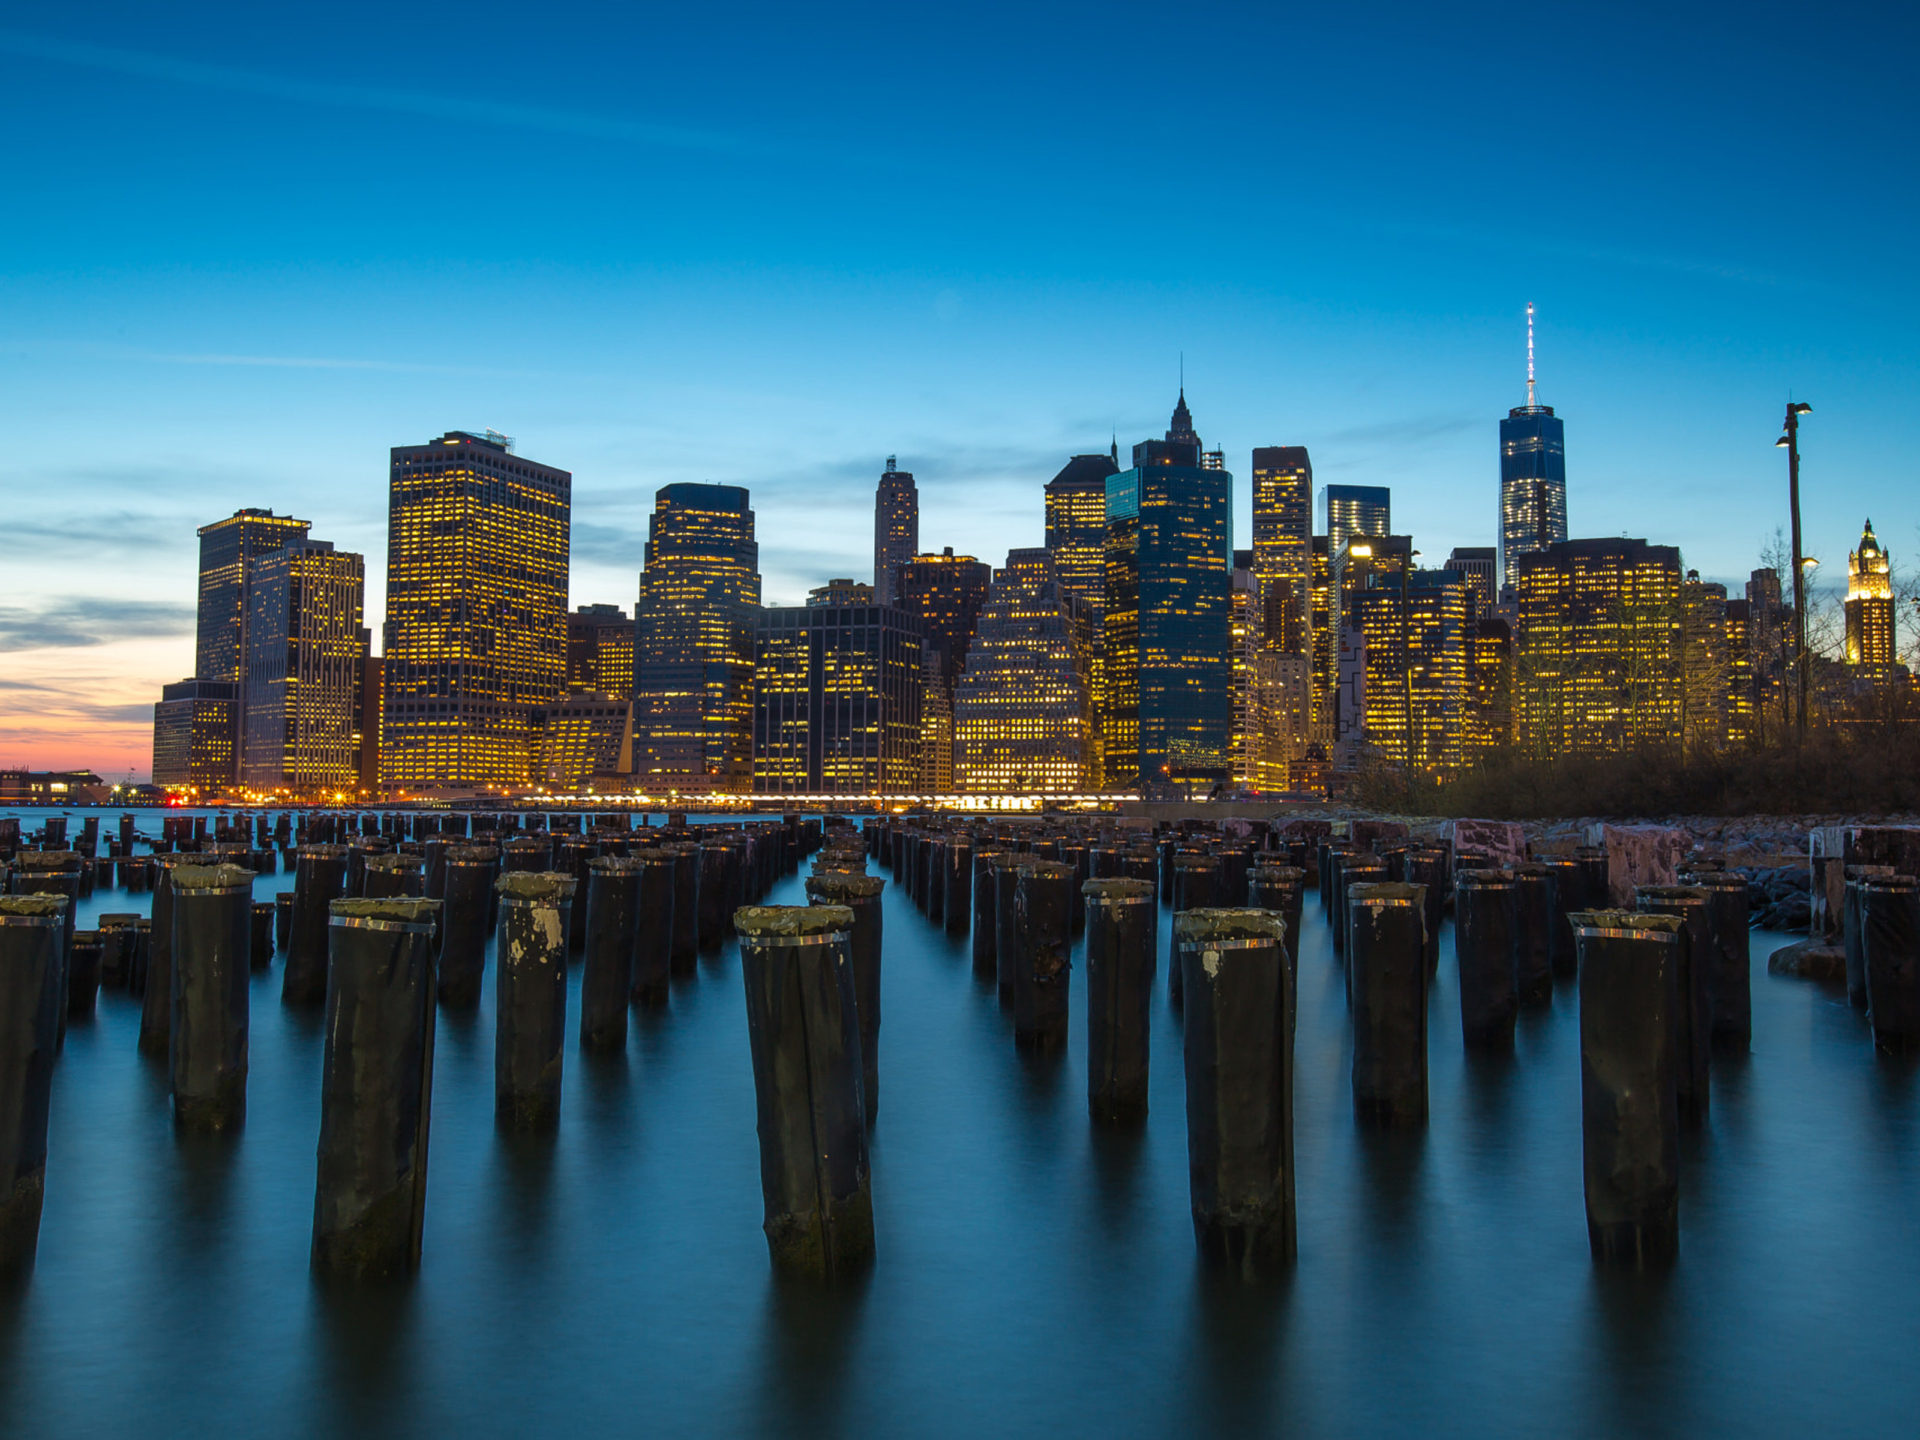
(367, 97)
(79, 622)
(1414, 431)
(303, 362)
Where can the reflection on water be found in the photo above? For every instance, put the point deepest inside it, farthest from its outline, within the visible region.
(1035, 1274)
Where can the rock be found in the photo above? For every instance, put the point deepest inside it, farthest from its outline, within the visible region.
(1502, 844)
(1637, 855)
(1811, 960)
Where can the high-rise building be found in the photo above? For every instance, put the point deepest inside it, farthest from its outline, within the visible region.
(1870, 623)
(478, 540)
(1325, 642)
(1021, 717)
(896, 529)
(1418, 657)
(1356, 510)
(228, 550)
(943, 594)
(306, 646)
(1490, 688)
(1705, 668)
(1533, 477)
(1476, 564)
(368, 720)
(1769, 642)
(1077, 527)
(195, 734)
(1283, 545)
(693, 646)
(1597, 655)
(599, 651)
(1167, 669)
(836, 696)
(1077, 539)
(1271, 696)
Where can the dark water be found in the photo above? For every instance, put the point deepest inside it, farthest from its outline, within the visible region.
(1034, 1276)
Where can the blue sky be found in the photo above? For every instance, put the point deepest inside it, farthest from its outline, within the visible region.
(249, 248)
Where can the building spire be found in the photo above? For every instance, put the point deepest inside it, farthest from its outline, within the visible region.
(1529, 354)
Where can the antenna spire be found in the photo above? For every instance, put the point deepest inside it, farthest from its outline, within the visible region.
(1529, 354)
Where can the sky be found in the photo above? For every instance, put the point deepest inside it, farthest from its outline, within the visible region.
(246, 249)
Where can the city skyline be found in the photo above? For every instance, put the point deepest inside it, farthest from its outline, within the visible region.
(180, 369)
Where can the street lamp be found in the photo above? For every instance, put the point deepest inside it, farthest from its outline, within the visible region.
(1790, 442)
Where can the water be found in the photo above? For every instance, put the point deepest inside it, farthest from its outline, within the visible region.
(1034, 1276)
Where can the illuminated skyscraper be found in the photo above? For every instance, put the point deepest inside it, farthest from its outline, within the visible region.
(582, 737)
(693, 642)
(1077, 528)
(896, 529)
(1869, 603)
(1020, 710)
(836, 700)
(1418, 667)
(1271, 696)
(1597, 656)
(478, 540)
(1283, 545)
(306, 648)
(599, 651)
(1356, 510)
(228, 550)
(942, 594)
(194, 735)
(1490, 688)
(1476, 564)
(1325, 643)
(1533, 477)
(1705, 668)
(1165, 716)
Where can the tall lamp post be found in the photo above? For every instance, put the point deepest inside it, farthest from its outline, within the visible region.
(1790, 442)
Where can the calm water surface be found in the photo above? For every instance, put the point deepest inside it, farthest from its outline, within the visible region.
(1034, 1276)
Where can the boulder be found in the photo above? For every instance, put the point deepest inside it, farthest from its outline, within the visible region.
(1811, 960)
(1499, 843)
(1637, 855)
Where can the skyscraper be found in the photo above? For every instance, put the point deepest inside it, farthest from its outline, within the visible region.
(836, 696)
(1020, 710)
(1869, 603)
(693, 642)
(478, 540)
(1077, 528)
(896, 529)
(1476, 564)
(1705, 668)
(1283, 545)
(1418, 662)
(306, 647)
(1533, 477)
(1168, 670)
(1356, 510)
(1597, 656)
(942, 594)
(228, 550)
(194, 735)
(1271, 695)
(599, 651)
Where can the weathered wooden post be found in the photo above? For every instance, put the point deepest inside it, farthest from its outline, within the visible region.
(803, 1027)
(33, 930)
(1629, 992)
(1120, 962)
(530, 998)
(859, 896)
(319, 878)
(376, 1090)
(613, 934)
(1238, 1040)
(1483, 946)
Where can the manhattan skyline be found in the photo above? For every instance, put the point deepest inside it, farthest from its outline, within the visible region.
(950, 291)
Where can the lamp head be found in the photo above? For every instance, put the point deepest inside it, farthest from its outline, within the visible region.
(1800, 407)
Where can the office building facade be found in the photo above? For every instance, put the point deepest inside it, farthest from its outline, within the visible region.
(478, 543)
(896, 529)
(195, 735)
(1597, 653)
(836, 696)
(1869, 604)
(300, 698)
(599, 651)
(1283, 545)
(1021, 711)
(229, 551)
(693, 646)
(1165, 650)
